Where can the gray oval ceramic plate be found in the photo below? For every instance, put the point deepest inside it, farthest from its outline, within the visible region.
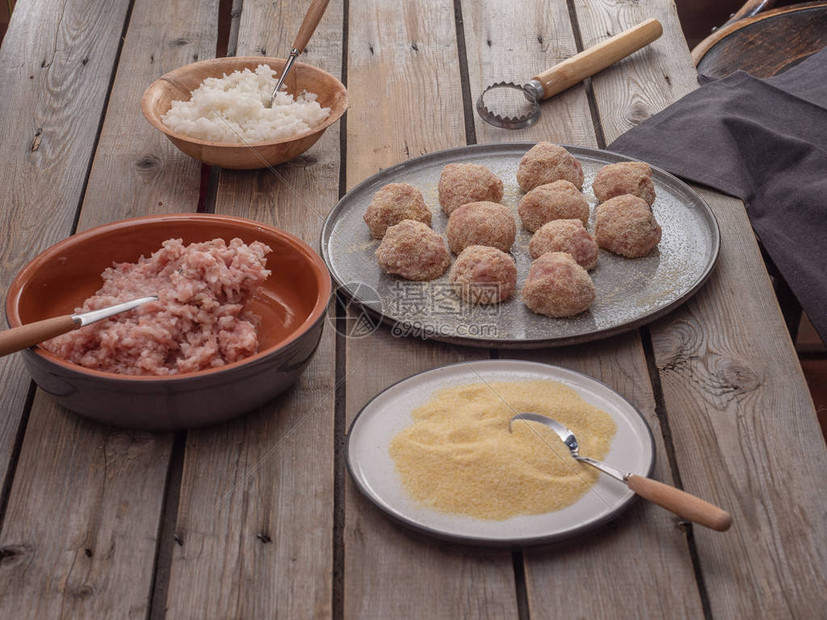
(630, 292)
(371, 466)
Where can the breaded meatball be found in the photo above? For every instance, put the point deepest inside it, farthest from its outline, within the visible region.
(481, 223)
(560, 200)
(557, 286)
(625, 178)
(412, 250)
(626, 225)
(545, 163)
(462, 183)
(484, 275)
(392, 204)
(565, 236)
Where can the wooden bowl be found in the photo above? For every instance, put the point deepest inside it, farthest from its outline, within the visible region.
(291, 304)
(179, 84)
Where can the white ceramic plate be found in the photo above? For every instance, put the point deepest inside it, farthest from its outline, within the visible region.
(372, 468)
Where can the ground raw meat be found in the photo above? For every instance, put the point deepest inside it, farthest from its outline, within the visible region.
(198, 322)
(626, 226)
(412, 250)
(545, 163)
(625, 178)
(463, 183)
(565, 236)
(559, 200)
(481, 223)
(484, 275)
(557, 286)
(392, 204)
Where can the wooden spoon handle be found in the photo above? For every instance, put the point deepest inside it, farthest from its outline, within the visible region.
(19, 338)
(681, 503)
(590, 61)
(311, 20)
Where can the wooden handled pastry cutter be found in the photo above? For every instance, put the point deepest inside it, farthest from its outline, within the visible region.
(499, 106)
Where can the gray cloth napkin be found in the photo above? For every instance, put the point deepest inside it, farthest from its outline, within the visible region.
(765, 142)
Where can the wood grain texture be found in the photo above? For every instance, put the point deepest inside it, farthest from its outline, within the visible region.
(391, 572)
(55, 77)
(508, 43)
(733, 390)
(137, 170)
(764, 44)
(404, 88)
(78, 539)
(89, 513)
(645, 545)
(254, 531)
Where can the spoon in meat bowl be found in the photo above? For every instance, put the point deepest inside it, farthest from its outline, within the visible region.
(680, 502)
(19, 338)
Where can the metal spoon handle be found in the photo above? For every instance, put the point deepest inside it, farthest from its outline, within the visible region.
(19, 338)
(680, 502)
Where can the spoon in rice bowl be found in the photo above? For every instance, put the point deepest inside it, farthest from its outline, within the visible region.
(19, 338)
(308, 27)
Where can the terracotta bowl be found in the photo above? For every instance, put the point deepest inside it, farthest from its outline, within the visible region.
(179, 84)
(291, 304)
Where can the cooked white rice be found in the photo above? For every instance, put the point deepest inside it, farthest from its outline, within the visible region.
(234, 109)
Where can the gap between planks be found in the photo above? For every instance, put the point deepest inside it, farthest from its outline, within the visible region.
(340, 400)
(226, 42)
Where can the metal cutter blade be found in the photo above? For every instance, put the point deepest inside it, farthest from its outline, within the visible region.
(529, 102)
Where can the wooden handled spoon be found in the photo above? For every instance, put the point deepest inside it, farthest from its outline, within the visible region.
(19, 338)
(680, 502)
(309, 23)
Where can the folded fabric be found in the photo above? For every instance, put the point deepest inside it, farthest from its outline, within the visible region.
(765, 142)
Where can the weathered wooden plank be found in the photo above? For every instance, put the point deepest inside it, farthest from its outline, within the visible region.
(405, 100)
(85, 518)
(137, 170)
(254, 530)
(79, 534)
(644, 545)
(55, 77)
(725, 360)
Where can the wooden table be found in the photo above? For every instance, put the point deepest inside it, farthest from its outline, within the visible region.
(256, 518)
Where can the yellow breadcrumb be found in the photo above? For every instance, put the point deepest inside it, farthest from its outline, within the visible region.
(458, 456)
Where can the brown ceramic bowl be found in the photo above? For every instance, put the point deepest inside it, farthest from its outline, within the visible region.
(179, 84)
(291, 304)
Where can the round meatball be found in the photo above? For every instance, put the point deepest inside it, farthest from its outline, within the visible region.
(412, 250)
(545, 163)
(463, 183)
(565, 236)
(557, 286)
(484, 275)
(626, 226)
(560, 200)
(392, 204)
(481, 223)
(625, 178)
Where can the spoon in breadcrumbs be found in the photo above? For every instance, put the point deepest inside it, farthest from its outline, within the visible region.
(679, 502)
